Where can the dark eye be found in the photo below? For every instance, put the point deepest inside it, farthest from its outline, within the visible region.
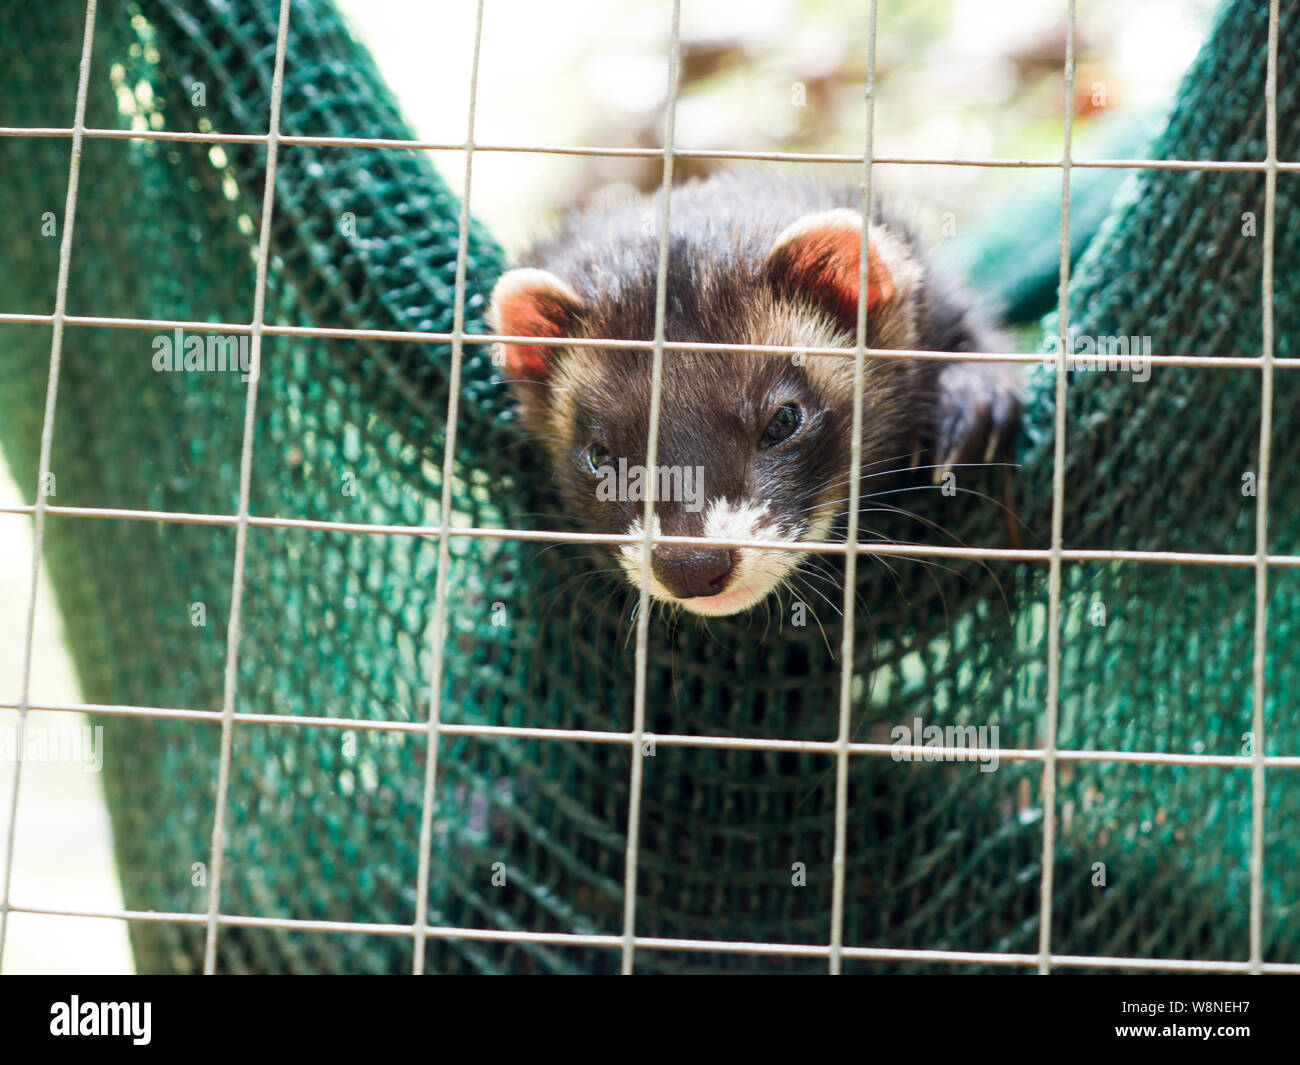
(595, 455)
(784, 424)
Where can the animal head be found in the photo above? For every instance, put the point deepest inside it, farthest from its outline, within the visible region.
(752, 446)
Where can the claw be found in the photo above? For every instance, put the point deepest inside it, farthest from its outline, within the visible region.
(995, 438)
(945, 467)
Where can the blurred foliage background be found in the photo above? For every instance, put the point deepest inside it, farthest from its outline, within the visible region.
(954, 78)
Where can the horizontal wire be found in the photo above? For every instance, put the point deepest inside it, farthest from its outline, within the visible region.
(699, 946)
(1113, 363)
(404, 144)
(816, 547)
(901, 751)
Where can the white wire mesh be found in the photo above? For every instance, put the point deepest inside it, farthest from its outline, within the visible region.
(1261, 507)
(840, 749)
(47, 445)
(444, 539)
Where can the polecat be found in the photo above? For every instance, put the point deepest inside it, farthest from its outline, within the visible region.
(751, 446)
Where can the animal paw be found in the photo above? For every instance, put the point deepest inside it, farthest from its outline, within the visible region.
(978, 413)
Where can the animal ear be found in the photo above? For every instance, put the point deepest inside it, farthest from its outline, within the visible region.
(532, 303)
(818, 256)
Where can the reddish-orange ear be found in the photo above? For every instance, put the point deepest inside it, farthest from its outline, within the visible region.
(818, 256)
(532, 303)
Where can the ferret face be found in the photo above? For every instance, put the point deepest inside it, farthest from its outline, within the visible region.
(751, 446)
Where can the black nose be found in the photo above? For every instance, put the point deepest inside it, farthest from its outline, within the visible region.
(688, 572)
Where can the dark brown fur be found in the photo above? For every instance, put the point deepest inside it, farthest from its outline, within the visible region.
(723, 289)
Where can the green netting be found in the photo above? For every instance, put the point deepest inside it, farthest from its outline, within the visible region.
(323, 824)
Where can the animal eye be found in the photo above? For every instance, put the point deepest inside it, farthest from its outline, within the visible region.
(595, 455)
(784, 424)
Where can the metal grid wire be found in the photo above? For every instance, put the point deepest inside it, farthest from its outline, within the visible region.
(842, 748)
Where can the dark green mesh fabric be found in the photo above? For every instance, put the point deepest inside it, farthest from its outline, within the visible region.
(323, 823)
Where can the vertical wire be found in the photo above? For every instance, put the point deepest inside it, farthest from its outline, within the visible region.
(1058, 527)
(839, 858)
(651, 462)
(245, 481)
(444, 539)
(1257, 783)
(47, 445)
